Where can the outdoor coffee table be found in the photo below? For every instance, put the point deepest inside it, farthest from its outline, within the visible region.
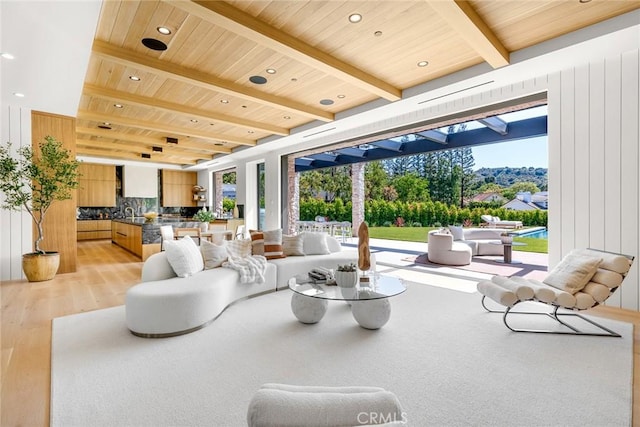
(369, 301)
(507, 259)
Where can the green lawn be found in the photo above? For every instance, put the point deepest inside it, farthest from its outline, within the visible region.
(419, 234)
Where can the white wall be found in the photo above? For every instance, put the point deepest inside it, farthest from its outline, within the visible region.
(594, 184)
(16, 231)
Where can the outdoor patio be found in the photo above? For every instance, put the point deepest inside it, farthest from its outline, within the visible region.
(398, 258)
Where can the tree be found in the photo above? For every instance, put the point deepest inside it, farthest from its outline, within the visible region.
(468, 176)
(490, 188)
(36, 179)
(229, 177)
(411, 188)
(375, 180)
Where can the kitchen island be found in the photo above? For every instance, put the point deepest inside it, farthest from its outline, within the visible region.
(142, 237)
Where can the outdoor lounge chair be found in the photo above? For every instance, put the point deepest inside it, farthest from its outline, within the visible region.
(583, 279)
(496, 222)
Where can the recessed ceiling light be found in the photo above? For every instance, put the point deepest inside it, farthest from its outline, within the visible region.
(134, 78)
(106, 124)
(355, 18)
(18, 94)
(423, 63)
(194, 121)
(154, 44)
(326, 101)
(294, 79)
(244, 106)
(118, 105)
(250, 131)
(377, 33)
(342, 96)
(271, 71)
(224, 101)
(259, 80)
(7, 55)
(212, 124)
(164, 30)
(286, 117)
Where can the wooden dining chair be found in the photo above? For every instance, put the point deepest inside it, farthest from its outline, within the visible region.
(187, 231)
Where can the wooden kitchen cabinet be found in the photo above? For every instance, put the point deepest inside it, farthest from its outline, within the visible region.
(128, 236)
(94, 229)
(97, 185)
(177, 188)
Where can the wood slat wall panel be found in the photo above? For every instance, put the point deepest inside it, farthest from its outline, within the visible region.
(567, 153)
(630, 162)
(60, 225)
(597, 150)
(581, 157)
(554, 126)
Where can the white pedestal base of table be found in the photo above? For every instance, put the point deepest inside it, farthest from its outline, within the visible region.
(308, 309)
(371, 314)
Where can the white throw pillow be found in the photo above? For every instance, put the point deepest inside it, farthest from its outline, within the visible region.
(184, 256)
(214, 255)
(315, 243)
(456, 232)
(573, 272)
(240, 248)
(293, 245)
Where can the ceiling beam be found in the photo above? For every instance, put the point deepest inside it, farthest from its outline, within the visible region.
(93, 152)
(172, 107)
(387, 144)
(469, 25)
(190, 76)
(162, 128)
(183, 145)
(121, 146)
(235, 20)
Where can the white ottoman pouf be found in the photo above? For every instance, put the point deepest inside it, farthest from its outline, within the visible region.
(284, 405)
(371, 314)
(308, 309)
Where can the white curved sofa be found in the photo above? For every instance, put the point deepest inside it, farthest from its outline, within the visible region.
(164, 305)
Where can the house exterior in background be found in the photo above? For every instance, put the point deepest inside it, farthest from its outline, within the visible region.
(488, 197)
(525, 201)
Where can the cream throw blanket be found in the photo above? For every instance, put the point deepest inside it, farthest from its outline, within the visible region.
(251, 268)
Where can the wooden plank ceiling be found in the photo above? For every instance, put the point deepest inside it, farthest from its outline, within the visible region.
(315, 62)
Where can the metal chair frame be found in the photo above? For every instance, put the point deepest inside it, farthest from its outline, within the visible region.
(556, 315)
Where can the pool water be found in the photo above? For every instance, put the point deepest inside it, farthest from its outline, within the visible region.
(540, 234)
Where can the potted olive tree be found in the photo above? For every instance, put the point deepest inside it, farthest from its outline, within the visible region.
(33, 180)
(205, 217)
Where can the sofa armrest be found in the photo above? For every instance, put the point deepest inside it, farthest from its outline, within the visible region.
(157, 267)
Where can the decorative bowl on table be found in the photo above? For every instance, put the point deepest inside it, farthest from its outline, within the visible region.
(150, 216)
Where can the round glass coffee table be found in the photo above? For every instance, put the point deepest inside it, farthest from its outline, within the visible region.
(369, 301)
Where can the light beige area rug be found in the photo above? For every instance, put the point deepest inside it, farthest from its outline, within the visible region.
(449, 362)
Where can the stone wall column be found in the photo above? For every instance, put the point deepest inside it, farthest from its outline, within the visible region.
(293, 189)
(357, 196)
(217, 178)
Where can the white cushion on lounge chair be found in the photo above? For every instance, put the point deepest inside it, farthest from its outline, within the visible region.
(497, 293)
(522, 290)
(573, 272)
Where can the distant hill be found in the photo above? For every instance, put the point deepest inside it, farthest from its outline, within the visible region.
(506, 176)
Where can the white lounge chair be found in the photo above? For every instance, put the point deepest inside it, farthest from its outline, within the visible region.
(496, 222)
(583, 279)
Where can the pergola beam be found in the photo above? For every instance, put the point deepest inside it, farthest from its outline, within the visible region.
(496, 124)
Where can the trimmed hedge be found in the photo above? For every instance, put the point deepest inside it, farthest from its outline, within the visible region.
(428, 214)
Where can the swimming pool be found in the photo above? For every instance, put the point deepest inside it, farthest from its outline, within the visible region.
(538, 234)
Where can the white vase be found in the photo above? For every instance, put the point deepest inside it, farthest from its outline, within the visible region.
(346, 279)
(204, 227)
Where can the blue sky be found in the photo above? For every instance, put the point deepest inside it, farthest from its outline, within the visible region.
(514, 154)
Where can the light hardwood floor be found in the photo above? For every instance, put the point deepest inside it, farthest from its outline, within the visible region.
(104, 274)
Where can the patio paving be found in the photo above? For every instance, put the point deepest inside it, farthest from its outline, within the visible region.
(397, 258)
